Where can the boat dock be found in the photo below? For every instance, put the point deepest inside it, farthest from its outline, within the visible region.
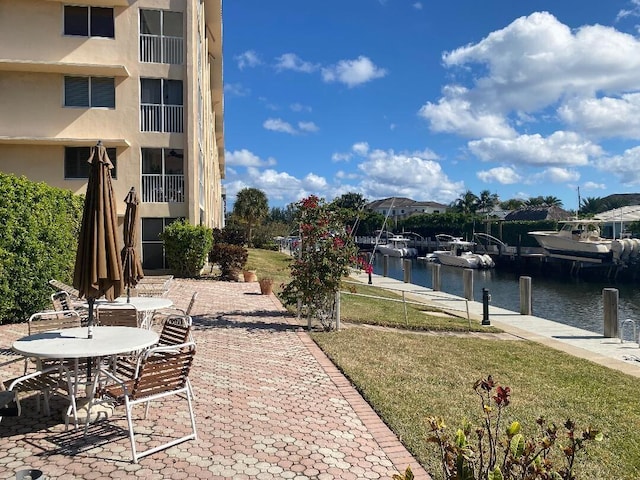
(610, 352)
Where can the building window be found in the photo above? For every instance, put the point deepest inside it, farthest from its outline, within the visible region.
(88, 21)
(161, 37)
(76, 163)
(161, 105)
(162, 175)
(89, 92)
(153, 256)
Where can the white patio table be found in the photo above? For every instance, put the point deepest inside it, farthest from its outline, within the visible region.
(146, 306)
(73, 343)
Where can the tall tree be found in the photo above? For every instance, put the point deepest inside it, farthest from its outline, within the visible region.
(251, 208)
(551, 201)
(467, 203)
(350, 200)
(487, 201)
(592, 205)
(534, 202)
(512, 204)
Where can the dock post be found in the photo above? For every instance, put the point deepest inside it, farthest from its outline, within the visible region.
(610, 304)
(525, 296)
(407, 270)
(385, 266)
(467, 280)
(485, 307)
(435, 277)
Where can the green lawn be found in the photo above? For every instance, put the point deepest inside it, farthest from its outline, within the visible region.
(408, 375)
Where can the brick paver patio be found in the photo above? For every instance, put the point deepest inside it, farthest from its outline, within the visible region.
(269, 405)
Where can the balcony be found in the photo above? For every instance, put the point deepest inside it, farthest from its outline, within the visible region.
(159, 188)
(161, 49)
(161, 118)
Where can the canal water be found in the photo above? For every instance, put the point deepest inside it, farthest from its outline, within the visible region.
(561, 299)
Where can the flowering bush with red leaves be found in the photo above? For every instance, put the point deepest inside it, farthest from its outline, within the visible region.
(497, 454)
(324, 257)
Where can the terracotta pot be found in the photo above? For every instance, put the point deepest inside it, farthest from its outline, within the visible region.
(266, 286)
(250, 276)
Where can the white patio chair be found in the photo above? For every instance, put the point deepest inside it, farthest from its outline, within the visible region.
(162, 372)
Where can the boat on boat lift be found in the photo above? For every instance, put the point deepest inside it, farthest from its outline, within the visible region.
(459, 253)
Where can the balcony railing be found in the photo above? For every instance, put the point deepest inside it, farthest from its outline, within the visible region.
(158, 188)
(159, 49)
(161, 118)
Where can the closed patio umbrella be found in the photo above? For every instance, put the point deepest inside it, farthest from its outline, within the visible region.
(98, 268)
(131, 266)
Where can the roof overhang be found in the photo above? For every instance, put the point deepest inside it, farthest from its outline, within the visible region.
(99, 3)
(9, 65)
(67, 142)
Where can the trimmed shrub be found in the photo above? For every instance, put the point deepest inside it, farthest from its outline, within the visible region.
(186, 247)
(230, 258)
(38, 242)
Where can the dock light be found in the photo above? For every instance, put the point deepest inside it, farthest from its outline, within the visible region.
(486, 298)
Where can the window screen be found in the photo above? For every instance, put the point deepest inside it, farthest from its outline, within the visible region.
(88, 21)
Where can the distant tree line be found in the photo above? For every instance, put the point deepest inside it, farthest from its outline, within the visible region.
(254, 224)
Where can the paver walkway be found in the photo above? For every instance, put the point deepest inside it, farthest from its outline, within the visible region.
(269, 405)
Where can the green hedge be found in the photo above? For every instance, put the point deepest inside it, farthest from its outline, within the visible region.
(186, 247)
(39, 228)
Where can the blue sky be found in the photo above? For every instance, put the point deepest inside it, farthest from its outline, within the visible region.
(426, 99)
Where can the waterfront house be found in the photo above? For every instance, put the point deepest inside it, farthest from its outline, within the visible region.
(142, 76)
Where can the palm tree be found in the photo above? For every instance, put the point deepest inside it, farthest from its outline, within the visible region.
(551, 201)
(487, 201)
(534, 202)
(467, 203)
(592, 205)
(512, 204)
(251, 208)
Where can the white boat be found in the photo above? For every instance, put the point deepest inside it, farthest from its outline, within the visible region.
(458, 253)
(396, 246)
(580, 239)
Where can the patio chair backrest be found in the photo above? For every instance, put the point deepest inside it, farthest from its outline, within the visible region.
(58, 285)
(163, 370)
(191, 303)
(175, 330)
(61, 300)
(53, 320)
(126, 316)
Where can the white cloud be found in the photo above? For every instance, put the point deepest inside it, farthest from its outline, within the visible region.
(455, 114)
(625, 166)
(308, 127)
(247, 59)
(417, 5)
(279, 125)
(245, 158)
(555, 175)
(604, 117)
(503, 175)
(341, 157)
(536, 60)
(386, 173)
(353, 72)
(594, 186)
(589, 75)
(298, 107)
(558, 149)
(634, 11)
(291, 61)
(360, 148)
(236, 89)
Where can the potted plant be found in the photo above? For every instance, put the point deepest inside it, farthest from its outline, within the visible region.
(266, 286)
(250, 275)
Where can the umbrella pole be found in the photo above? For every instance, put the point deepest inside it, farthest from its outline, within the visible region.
(91, 301)
(128, 293)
